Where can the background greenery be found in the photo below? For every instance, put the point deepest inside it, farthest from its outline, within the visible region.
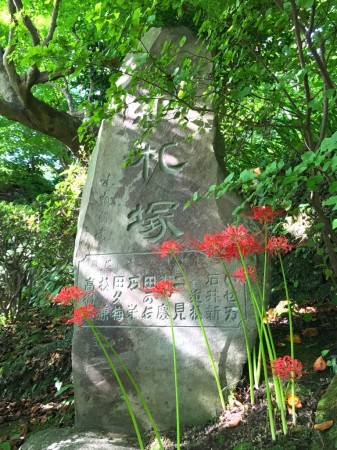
(272, 89)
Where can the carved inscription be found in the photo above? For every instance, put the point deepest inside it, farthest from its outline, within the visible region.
(154, 221)
(118, 283)
(149, 155)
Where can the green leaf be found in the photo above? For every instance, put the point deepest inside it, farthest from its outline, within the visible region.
(182, 41)
(333, 187)
(324, 352)
(5, 446)
(331, 201)
(334, 224)
(246, 175)
(314, 181)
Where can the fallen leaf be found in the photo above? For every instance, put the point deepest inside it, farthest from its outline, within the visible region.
(324, 425)
(43, 419)
(297, 402)
(234, 423)
(296, 339)
(280, 344)
(310, 332)
(319, 364)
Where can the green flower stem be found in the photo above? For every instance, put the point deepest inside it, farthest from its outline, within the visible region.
(209, 351)
(134, 384)
(244, 329)
(119, 381)
(269, 402)
(257, 365)
(291, 335)
(175, 371)
(264, 331)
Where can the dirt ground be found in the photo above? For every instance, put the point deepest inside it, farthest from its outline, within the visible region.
(35, 379)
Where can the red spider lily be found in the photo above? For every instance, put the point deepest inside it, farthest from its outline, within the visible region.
(83, 312)
(278, 244)
(240, 274)
(264, 214)
(212, 245)
(243, 240)
(69, 294)
(169, 248)
(163, 287)
(286, 367)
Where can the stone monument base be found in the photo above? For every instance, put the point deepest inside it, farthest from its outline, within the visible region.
(71, 439)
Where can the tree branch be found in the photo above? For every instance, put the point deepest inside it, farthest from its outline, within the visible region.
(53, 23)
(307, 129)
(66, 94)
(28, 23)
(13, 77)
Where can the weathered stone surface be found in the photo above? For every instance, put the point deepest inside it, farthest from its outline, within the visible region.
(326, 411)
(70, 439)
(124, 215)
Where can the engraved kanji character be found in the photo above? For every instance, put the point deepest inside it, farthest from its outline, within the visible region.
(164, 166)
(103, 284)
(131, 311)
(147, 155)
(229, 296)
(231, 313)
(212, 280)
(94, 263)
(133, 283)
(147, 313)
(212, 295)
(117, 313)
(89, 284)
(179, 309)
(148, 299)
(178, 281)
(119, 282)
(154, 221)
(197, 295)
(116, 297)
(149, 281)
(104, 199)
(212, 313)
(193, 313)
(90, 298)
(162, 312)
(103, 314)
(105, 182)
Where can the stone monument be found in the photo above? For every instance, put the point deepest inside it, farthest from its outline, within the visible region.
(125, 214)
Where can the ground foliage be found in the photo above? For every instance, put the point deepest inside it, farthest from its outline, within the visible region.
(35, 378)
(36, 244)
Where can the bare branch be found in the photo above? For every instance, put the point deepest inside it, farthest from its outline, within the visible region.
(53, 23)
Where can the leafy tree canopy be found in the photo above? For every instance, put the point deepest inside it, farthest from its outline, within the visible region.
(273, 84)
